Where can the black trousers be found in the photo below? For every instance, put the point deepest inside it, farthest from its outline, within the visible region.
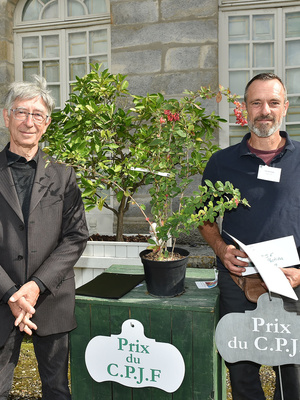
(244, 375)
(52, 356)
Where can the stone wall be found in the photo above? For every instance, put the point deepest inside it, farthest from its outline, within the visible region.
(162, 46)
(165, 46)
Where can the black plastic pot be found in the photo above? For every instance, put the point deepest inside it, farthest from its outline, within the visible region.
(165, 278)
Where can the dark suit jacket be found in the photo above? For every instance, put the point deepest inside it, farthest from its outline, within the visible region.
(57, 235)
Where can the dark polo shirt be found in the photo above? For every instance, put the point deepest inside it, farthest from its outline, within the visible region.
(274, 210)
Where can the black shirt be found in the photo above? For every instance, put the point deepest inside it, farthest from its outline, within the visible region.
(23, 173)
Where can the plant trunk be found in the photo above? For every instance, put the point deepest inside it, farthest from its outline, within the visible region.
(120, 228)
(120, 223)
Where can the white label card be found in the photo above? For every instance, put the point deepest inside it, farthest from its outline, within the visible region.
(268, 257)
(267, 173)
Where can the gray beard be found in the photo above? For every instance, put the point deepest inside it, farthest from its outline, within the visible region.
(264, 132)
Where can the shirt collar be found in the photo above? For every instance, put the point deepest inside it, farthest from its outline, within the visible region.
(13, 158)
(244, 150)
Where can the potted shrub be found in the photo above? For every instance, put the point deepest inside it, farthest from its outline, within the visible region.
(150, 140)
(97, 133)
(175, 143)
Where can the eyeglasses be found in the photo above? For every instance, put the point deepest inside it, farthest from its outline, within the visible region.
(21, 114)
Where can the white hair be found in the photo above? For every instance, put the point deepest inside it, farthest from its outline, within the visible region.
(28, 91)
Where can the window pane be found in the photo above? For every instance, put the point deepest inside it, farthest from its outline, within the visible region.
(55, 92)
(262, 71)
(51, 71)
(50, 11)
(263, 27)
(293, 53)
(30, 47)
(31, 10)
(294, 131)
(71, 89)
(75, 8)
(263, 55)
(29, 69)
(293, 114)
(100, 60)
(96, 6)
(238, 56)
(293, 81)
(238, 81)
(237, 133)
(239, 28)
(98, 41)
(39, 9)
(77, 44)
(292, 25)
(51, 46)
(77, 68)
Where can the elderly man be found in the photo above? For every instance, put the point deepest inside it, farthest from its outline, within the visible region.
(265, 166)
(43, 233)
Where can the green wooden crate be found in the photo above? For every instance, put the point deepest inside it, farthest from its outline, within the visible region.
(188, 322)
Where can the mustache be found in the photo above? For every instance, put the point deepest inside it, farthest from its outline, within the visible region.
(264, 117)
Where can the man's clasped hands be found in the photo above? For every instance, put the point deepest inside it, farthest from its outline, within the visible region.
(22, 304)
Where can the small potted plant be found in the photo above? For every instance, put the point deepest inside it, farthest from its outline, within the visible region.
(120, 142)
(174, 146)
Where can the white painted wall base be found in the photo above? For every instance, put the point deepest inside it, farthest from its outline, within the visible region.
(98, 256)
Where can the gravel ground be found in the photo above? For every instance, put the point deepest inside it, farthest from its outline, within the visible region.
(27, 385)
(267, 377)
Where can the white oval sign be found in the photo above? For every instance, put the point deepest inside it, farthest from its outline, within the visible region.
(134, 360)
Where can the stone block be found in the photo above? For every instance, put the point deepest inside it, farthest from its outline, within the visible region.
(173, 84)
(192, 32)
(134, 12)
(135, 62)
(6, 52)
(4, 138)
(190, 58)
(182, 58)
(6, 26)
(181, 9)
(8, 8)
(209, 56)
(6, 74)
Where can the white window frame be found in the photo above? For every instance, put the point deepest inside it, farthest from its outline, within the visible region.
(231, 8)
(235, 5)
(61, 26)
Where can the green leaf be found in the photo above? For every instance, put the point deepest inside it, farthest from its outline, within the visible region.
(209, 183)
(119, 196)
(88, 192)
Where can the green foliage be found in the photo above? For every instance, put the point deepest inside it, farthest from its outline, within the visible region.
(96, 133)
(119, 142)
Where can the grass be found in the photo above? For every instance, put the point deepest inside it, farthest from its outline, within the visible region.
(27, 384)
(267, 377)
